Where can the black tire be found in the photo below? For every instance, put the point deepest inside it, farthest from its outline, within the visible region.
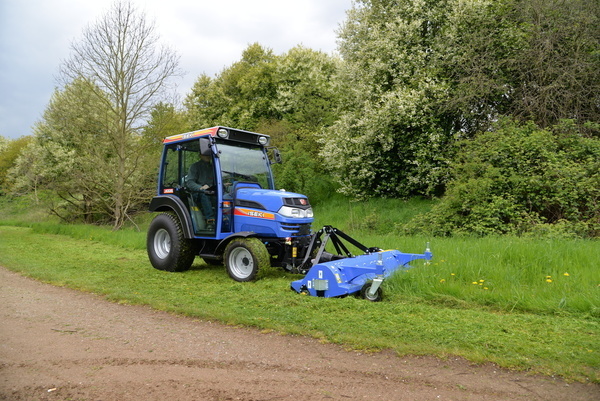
(167, 247)
(364, 293)
(244, 257)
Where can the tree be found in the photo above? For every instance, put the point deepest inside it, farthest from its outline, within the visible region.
(557, 75)
(307, 100)
(241, 96)
(9, 154)
(389, 139)
(164, 121)
(205, 105)
(70, 155)
(306, 91)
(3, 142)
(532, 59)
(119, 55)
(418, 75)
(290, 97)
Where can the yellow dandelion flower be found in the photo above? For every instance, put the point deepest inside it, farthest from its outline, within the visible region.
(475, 282)
(548, 276)
(443, 280)
(548, 280)
(481, 281)
(485, 288)
(566, 274)
(452, 274)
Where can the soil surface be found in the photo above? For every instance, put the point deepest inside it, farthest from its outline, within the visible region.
(61, 344)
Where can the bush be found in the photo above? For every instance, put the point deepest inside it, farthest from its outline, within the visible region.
(519, 179)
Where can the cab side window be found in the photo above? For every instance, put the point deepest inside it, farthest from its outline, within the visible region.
(171, 178)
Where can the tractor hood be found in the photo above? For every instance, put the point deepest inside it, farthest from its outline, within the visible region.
(271, 200)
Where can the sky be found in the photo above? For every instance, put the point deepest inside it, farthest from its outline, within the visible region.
(208, 35)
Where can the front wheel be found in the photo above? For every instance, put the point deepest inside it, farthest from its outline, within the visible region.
(167, 247)
(244, 257)
(376, 297)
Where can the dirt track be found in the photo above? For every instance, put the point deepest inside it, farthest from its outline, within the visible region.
(60, 344)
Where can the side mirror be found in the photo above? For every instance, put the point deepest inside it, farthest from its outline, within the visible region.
(276, 156)
(205, 146)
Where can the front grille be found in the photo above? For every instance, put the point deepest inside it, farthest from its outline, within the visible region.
(297, 229)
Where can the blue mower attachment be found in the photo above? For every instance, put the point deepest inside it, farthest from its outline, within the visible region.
(345, 274)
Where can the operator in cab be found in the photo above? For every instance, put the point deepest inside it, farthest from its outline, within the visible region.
(201, 181)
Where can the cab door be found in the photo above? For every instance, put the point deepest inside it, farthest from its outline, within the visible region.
(178, 160)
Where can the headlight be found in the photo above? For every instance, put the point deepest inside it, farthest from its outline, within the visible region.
(295, 212)
(223, 133)
(263, 140)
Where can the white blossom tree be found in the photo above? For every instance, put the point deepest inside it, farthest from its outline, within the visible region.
(389, 140)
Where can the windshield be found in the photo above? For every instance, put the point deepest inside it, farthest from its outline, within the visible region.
(246, 163)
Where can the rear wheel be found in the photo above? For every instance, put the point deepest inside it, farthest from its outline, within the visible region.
(244, 257)
(167, 247)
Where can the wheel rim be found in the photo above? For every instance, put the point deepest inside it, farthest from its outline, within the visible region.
(373, 297)
(162, 243)
(241, 263)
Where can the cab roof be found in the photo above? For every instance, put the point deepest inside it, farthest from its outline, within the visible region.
(232, 134)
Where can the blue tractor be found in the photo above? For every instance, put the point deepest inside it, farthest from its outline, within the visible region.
(217, 199)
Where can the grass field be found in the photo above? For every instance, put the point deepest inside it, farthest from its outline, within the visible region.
(523, 303)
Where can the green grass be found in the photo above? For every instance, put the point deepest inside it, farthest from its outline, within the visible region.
(504, 273)
(514, 317)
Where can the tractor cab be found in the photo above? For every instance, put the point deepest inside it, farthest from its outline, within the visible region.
(206, 174)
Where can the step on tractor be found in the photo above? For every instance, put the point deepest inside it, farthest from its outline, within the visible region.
(216, 199)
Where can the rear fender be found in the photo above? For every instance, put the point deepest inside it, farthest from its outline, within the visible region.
(172, 203)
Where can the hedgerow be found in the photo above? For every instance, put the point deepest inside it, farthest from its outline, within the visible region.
(524, 180)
